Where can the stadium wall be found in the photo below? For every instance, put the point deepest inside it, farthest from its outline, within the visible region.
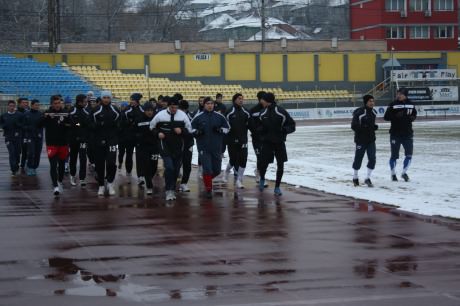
(297, 70)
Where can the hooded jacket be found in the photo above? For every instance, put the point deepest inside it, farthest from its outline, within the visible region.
(254, 122)
(275, 124)
(401, 115)
(209, 128)
(56, 123)
(363, 124)
(12, 124)
(105, 125)
(79, 125)
(130, 118)
(165, 122)
(238, 118)
(33, 124)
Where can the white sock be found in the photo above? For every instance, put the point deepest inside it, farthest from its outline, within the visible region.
(241, 173)
(369, 173)
(355, 174)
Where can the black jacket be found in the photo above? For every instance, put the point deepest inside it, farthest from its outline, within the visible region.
(401, 115)
(254, 122)
(145, 136)
(220, 108)
(238, 117)
(363, 124)
(128, 128)
(79, 125)
(189, 141)
(33, 124)
(56, 125)
(275, 124)
(12, 124)
(105, 123)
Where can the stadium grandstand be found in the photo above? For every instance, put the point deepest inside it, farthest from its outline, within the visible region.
(24, 77)
(123, 84)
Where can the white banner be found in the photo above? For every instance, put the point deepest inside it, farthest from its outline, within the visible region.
(203, 57)
(422, 75)
(444, 93)
(347, 112)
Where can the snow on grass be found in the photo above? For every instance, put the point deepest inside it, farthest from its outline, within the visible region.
(320, 157)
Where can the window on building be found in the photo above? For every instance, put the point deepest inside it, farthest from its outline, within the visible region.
(394, 5)
(444, 32)
(420, 32)
(444, 5)
(396, 32)
(419, 5)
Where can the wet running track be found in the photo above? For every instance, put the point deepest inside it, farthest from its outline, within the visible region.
(241, 248)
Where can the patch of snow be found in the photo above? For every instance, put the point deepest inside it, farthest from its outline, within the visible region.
(219, 23)
(321, 157)
(273, 33)
(253, 22)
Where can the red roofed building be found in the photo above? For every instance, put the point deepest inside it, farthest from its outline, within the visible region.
(407, 25)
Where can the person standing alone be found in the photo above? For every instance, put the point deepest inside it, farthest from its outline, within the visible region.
(401, 113)
(363, 124)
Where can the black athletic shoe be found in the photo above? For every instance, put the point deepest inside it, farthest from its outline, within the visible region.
(394, 178)
(368, 182)
(405, 177)
(356, 182)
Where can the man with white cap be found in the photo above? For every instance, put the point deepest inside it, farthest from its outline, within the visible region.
(106, 121)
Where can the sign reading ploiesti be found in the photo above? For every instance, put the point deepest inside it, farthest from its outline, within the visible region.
(203, 57)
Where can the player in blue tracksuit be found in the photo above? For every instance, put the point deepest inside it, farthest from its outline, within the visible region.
(275, 125)
(363, 124)
(401, 113)
(33, 122)
(12, 123)
(171, 127)
(209, 128)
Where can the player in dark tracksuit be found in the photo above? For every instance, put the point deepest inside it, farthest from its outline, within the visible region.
(56, 124)
(188, 151)
(23, 107)
(196, 112)
(254, 125)
(123, 137)
(129, 120)
(220, 107)
(237, 139)
(171, 126)
(147, 145)
(105, 121)
(363, 124)
(33, 122)
(12, 123)
(276, 124)
(92, 105)
(401, 113)
(79, 119)
(209, 128)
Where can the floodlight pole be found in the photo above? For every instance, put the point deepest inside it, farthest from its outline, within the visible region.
(262, 25)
